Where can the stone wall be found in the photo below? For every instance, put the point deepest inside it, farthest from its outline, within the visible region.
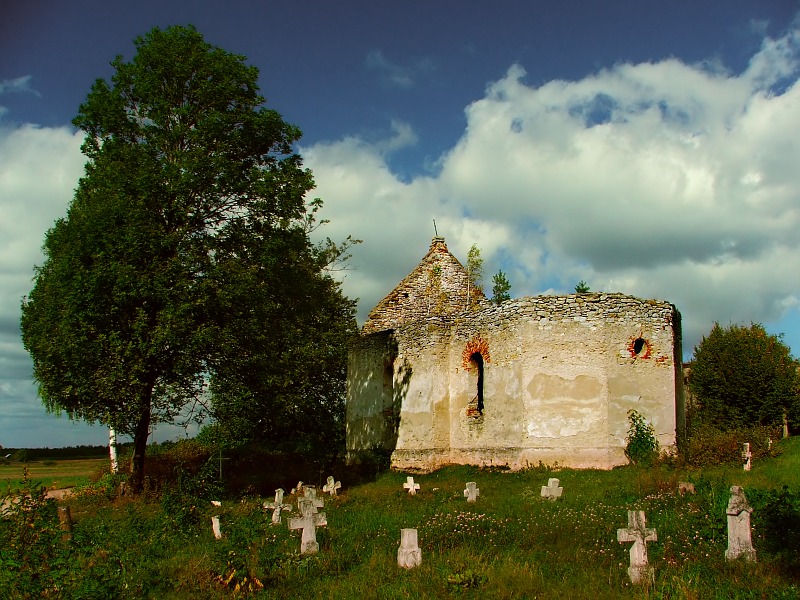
(438, 286)
(557, 375)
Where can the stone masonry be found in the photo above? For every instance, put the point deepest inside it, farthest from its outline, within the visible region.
(440, 375)
(438, 286)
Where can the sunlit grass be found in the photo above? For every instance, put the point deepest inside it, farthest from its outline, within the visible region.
(52, 474)
(511, 543)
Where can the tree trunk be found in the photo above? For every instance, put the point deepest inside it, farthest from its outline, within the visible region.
(136, 480)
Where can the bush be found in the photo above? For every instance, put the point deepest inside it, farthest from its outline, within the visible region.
(641, 445)
(743, 376)
(707, 445)
(33, 554)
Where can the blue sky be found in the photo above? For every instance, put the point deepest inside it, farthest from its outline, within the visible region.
(646, 148)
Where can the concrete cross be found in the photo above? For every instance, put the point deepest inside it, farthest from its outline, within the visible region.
(277, 506)
(331, 486)
(472, 492)
(411, 486)
(740, 542)
(216, 528)
(409, 555)
(309, 520)
(551, 490)
(746, 456)
(639, 535)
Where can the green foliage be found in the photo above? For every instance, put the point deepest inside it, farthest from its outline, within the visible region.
(707, 445)
(465, 580)
(185, 254)
(32, 554)
(743, 376)
(22, 455)
(500, 288)
(641, 445)
(475, 274)
(582, 287)
(777, 518)
(510, 544)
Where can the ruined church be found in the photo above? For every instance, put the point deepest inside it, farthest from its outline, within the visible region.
(440, 375)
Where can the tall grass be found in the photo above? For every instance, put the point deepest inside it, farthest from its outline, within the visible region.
(511, 543)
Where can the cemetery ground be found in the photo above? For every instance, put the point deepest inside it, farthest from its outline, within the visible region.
(509, 543)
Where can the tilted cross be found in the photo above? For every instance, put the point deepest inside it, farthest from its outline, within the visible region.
(637, 533)
(277, 506)
(551, 490)
(331, 486)
(472, 492)
(411, 486)
(746, 456)
(309, 521)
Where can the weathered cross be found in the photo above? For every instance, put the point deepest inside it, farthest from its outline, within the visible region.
(551, 490)
(309, 521)
(639, 535)
(216, 528)
(331, 486)
(298, 488)
(409, 555)
(411, 486)
(277, 506)
(472, 492)
(746, 456)
(740, 542)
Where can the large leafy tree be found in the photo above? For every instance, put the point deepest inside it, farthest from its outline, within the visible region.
(743, 376)
(283, 384)
(187, 236)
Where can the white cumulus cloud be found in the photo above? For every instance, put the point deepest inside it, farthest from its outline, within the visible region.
(665, 180)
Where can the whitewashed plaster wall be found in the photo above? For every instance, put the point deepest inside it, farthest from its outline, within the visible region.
(559, 375)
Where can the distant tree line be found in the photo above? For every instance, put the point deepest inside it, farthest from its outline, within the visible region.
(66, 453)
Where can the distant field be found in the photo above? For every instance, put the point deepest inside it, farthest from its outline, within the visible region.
(51, 474)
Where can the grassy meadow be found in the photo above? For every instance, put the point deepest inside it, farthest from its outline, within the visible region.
(51, 474)
(509, 544)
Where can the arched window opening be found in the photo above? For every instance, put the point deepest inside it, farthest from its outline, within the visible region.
(476, 360)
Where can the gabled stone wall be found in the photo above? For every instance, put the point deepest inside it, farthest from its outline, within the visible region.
(438, 286)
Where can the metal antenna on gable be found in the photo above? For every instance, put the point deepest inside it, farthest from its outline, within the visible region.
(436, 231)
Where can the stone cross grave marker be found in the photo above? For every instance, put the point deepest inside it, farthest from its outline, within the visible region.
(472, 492)
(216, 528)
(298, 488)
(309, 520)
(411, 486)
(65, 519)
(746, 456)
(409, 555)
(277, 506)
(639, 535)
(331, 486)
(740, 543)
(551, 490)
